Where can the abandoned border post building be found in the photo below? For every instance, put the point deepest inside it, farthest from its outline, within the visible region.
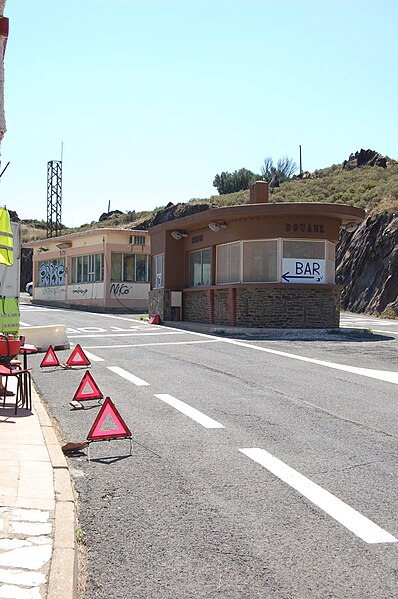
(253, 265)
(100, 269)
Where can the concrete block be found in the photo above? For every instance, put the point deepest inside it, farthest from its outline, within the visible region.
(43, 337)
(65, 525)
(62, 582)
(63, 485)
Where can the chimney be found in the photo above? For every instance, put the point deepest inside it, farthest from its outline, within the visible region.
(259, 193)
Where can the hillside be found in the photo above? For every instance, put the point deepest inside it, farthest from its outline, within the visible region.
(374, 188)
(370, 187)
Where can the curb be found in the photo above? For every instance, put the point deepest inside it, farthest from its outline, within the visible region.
(62, 579)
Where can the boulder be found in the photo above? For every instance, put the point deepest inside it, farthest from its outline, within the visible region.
(365, 158)
(367, 265)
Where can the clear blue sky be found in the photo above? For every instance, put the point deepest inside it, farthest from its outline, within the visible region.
(152, 99)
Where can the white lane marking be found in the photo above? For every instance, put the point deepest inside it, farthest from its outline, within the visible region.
(125, 330)
(384, 331)
(147, 344)
(193, 413)
(91, 330)
(122, 318)
(132, 334)
(128, 376)
(41, 310)
(381, 375)
(92, 357)
(24, 324)
(361, 526)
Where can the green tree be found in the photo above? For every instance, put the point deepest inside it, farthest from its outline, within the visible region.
(236, 181)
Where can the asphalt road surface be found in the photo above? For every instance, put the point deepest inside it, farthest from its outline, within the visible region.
(260, 468)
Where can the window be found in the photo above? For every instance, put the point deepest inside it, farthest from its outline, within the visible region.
(137, 239)
(52, 273)
(260, 261)
(303, 261)
(130, 268)
(141, 268)
(87, 269)
(158, 265)
(310, 250)
(200, 268)
(228, 263)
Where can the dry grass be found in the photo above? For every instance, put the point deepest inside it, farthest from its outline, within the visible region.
(29, 233)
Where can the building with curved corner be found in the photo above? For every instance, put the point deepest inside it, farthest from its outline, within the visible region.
(259, 265)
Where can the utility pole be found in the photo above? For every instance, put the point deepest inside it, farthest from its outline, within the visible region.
(301, 164)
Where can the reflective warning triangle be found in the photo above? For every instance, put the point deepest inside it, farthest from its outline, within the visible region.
(120, 427)
(78, 358)
(50, 359)
(88, 389)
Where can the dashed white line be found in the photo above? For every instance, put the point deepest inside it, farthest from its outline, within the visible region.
(192, 413)
(361, 526)
(24, 324)
(128, 376)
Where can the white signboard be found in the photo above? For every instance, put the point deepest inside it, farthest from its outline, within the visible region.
(303, 270)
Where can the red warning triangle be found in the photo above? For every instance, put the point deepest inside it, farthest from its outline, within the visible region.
(120, 428)
(50, 359)
(78, 358)
(88, 389)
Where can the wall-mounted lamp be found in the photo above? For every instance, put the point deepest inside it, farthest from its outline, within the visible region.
(350, 227)
(177, 235)
(217, 227)
(64, 245)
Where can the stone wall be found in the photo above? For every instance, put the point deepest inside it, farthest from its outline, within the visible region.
(295, 307)
(194, 306)
(160, 303)
(272, 306)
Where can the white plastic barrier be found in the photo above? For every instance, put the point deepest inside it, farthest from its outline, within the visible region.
(43, 337)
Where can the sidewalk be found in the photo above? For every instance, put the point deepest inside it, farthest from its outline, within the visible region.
(37, 510)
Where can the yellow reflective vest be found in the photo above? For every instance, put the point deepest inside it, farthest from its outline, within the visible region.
(9, 316)
(6, 238)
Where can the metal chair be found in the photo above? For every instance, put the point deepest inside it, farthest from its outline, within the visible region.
(24, 386)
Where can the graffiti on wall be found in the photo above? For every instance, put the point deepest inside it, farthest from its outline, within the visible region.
(119, 289)
(55, 292)
(51, 273)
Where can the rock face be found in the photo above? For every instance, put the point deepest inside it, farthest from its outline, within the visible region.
(172, 212)
(367, 266)
(365, 158)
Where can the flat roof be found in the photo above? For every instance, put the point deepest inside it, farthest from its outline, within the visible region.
(343, 212)
(71, 236)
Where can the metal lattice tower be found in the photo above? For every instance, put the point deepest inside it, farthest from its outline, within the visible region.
(54, 197)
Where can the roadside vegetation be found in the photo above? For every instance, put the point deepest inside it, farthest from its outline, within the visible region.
(371, 187)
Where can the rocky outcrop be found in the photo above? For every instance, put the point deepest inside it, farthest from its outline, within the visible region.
(367, 266)
(171, 212)
(108, 215)
(365, 158)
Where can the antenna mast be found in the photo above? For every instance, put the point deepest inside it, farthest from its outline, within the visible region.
(54, 197)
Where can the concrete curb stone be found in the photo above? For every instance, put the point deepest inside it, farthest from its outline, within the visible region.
(62, 580)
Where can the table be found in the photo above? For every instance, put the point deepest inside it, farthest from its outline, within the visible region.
(25, 350)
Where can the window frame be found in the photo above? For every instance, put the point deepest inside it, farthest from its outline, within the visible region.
(200, 251)
(86, 264)
(134, 255)
(158, 272)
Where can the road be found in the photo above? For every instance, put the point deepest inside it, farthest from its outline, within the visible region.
(259, 468)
